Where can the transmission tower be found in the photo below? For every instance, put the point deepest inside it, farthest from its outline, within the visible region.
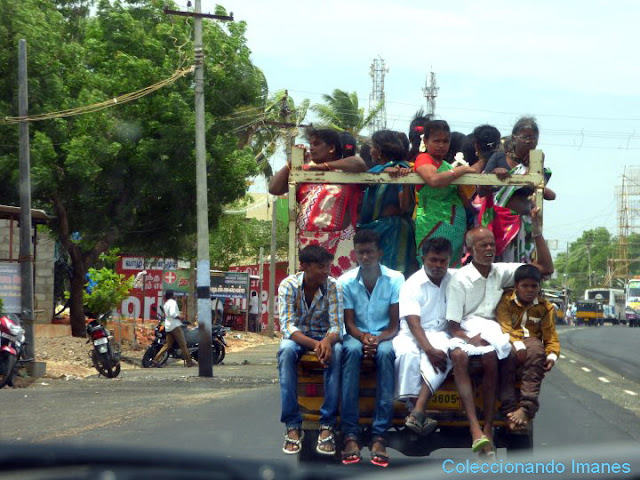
(430, 91)
(376, 97)
(628, 201)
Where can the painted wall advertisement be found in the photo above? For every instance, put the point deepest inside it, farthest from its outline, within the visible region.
(10, 286)
(162, 274)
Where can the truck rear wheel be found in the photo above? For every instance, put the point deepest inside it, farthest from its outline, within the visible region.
(519, 442)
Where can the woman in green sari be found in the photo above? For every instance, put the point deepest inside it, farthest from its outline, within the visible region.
(386, 208)
(440, 212)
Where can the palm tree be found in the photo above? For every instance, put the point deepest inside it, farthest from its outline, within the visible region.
(263, 129)
(342, 112)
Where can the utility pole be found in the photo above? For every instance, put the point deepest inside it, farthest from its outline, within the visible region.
(26, 253)
(284, 115)
(588, 244)
(203, 282)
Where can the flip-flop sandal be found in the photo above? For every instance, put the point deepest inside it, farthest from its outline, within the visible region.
(429, 426)
(380, 460)
(480, 443)
(414, 422)
(327, 441)
(377, 458)
(349, 458)
(291, 441)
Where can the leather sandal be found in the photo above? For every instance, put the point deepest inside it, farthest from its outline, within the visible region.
(297, 443)
(327, 445)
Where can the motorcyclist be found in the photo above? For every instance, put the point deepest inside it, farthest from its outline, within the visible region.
(172, 324)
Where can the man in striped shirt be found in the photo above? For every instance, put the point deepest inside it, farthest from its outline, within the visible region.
(311, 319)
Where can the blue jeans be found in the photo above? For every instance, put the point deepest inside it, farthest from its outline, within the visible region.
(385, 385)
(288, 356)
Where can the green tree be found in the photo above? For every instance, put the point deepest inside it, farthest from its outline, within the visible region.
(124, 176)
(238, 239)
(108, 291)
(598, 248)
(342, 112)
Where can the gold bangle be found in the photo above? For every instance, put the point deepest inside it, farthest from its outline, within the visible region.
(453, 174)
(288, 167)
(536, 235)
(328, 166)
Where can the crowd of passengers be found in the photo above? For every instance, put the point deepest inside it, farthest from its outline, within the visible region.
(418, 279)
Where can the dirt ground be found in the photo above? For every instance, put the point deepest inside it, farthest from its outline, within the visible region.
(68, 357)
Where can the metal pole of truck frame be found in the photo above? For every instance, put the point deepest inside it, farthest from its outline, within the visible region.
(534, 178)
(203, 285)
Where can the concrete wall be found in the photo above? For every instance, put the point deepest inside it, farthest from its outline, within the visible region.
(43, 277)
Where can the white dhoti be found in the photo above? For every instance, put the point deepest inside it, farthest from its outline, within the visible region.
(489, 331)
(412, 364)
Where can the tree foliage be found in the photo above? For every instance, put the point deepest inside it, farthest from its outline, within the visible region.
(108, 291)
(341, 111)
(599, 249)
(238, 239)
(124, 176)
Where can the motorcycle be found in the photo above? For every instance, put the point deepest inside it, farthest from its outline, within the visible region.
(12, 340)
(103, 356)
(218, 343)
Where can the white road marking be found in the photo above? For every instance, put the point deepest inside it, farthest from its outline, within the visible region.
(572, 361)
(562, 356)
(603, 379)
(630, 392)
(586, 369)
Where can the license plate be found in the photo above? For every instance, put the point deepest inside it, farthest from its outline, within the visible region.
(445, 400)
(101, 341)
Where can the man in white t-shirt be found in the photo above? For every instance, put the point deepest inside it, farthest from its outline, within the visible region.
(472, 297)
(254, 308)
(172, 326)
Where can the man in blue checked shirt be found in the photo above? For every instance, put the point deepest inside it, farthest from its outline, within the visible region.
(371, 312)
(311, 318)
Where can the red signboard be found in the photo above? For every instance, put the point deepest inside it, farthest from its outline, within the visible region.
(143, 301)
(263, 291)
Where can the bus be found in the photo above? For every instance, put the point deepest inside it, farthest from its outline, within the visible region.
(633, 293)
(613, 301)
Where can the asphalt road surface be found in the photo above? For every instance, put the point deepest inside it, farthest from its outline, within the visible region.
(590, 398)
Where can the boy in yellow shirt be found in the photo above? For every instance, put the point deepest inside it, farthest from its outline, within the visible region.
(528, 319)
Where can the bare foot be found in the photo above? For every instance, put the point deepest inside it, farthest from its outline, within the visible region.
(518, 419)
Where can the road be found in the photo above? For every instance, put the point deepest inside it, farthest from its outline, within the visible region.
(236, 415)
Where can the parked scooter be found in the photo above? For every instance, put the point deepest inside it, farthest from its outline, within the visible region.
(218, 343)
(12, 341)
(103, 356)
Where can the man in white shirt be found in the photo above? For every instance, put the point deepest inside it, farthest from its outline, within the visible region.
(172, 326)
(422, 344)
(254, 306)
(472, 296)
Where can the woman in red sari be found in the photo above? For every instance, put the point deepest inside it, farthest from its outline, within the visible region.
(327, 214)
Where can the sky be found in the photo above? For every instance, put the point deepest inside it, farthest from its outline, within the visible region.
(571, 64)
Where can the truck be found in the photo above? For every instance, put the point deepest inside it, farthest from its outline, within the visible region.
(445, 405)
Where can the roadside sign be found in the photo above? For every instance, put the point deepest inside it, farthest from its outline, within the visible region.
(10, 286)
(229, 284)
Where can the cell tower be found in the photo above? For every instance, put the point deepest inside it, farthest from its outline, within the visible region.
(430, 91)
(376, 97)
(628, 200)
